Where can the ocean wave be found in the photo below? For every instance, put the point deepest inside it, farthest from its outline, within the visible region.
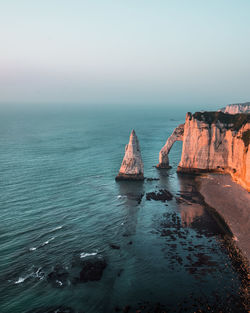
(85, 254)
(21, 279)
(38, 274)
(49, 232)
(59, 282)
(47, 242)
(42, 245)
(121, 197)
(56, 228)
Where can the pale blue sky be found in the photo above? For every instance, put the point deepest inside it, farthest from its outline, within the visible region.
(118, 52)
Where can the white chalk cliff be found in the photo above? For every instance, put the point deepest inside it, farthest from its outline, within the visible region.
(216, 142)
(236, 108)
(132, 165)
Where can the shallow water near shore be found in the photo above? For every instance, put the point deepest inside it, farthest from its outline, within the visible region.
(60, 203)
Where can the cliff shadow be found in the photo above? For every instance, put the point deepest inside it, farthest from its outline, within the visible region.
(192, 208)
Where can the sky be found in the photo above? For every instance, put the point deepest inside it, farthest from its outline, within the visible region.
(124, 52)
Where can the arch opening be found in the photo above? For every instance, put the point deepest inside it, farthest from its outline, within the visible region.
(177, 135)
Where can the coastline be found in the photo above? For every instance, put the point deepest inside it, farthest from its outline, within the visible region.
(232, 203)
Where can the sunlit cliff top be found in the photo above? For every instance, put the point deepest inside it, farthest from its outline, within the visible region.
(230, 121)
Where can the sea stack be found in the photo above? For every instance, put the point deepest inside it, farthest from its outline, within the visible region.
(132, 165)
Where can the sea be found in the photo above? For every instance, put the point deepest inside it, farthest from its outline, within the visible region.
(61, 207)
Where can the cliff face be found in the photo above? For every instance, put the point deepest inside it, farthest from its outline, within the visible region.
(132, 165)
(237, 108)
(214, 141)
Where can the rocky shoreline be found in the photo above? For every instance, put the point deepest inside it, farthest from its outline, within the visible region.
(215, 189)
(212, 188)
(232, 203)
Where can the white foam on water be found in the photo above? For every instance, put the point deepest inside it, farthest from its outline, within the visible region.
(59, 282)
(36, 274)
(121, 197)
(39, 274)
(47, 242)
(84, 254)
(56, 228)
(43, 244)
(20, 280)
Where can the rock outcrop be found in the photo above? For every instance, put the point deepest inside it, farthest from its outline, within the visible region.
(236, 108)
(177, 135)
(132, 165)
(217, 142)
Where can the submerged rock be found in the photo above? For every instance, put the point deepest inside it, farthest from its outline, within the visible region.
(139, 198)
(132, 165)
(113, 246)
(92, 270)
(163, 195)
(53, 309)
(152, 179)
(126, 309)
(58, 277)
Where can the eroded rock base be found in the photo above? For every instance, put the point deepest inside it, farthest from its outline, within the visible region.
(129, 177)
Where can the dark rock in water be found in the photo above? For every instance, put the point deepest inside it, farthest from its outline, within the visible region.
(92, 270)
(139, 198)
(120, 272)
(136, 197)
(58, 277)
(152, 179)
(130, 243)
(127, 177)
(126, 309)
(87, 268)
(163, 195)
(116, 247)
(60, 309)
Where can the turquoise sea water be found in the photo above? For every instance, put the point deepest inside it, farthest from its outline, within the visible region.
(59, 202)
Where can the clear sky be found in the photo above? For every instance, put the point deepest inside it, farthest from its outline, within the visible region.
(124, 52)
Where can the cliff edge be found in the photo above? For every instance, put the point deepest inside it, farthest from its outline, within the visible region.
(236, 108)
(216, 142)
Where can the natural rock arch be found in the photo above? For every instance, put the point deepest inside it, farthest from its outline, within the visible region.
(177, 135)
